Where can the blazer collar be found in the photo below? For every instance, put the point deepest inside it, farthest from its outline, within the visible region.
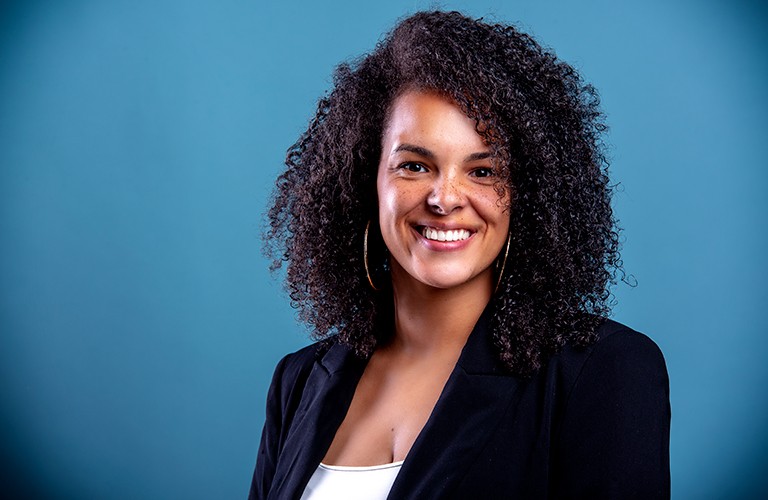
(339, 358)
(479, 356)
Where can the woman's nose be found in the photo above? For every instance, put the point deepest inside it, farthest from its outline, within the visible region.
(446, 194)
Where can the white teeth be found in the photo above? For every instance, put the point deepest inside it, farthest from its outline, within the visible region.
(440, 235)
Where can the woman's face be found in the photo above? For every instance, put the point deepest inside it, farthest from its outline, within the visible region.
(440, 215)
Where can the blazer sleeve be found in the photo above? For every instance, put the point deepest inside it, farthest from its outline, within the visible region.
(283, 398)
(270, 437)
(614, 439)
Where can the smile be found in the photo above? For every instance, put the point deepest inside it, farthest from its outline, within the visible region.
(431, 233)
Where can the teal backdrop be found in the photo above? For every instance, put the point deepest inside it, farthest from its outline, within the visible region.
(139, 141)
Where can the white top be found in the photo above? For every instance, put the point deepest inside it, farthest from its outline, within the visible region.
(341, 482)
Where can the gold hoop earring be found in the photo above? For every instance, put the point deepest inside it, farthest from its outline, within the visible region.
(503, 263)
(365, 257)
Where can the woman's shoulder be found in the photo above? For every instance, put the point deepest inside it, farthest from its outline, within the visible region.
(616, 340)
(621, 365)
(619, 353)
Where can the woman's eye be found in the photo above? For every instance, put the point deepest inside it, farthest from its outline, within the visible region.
(413, 167)
(483, 172)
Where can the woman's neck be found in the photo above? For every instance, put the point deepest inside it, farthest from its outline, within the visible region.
(429, 319)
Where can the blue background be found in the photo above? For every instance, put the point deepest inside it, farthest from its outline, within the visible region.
(138, 145)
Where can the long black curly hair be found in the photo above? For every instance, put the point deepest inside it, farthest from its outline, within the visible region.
(541, 122)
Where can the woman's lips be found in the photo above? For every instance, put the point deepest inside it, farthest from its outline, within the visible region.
(435, 234)
(444, 239)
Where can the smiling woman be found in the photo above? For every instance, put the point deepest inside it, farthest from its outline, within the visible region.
(448, 234)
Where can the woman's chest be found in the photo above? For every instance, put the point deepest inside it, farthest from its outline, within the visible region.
(387, 413)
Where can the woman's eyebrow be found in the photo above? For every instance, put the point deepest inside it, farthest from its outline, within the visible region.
(478, 156)
(422, 151)
(415, 149)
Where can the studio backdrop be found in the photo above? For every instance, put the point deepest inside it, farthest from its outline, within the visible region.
(139, 142)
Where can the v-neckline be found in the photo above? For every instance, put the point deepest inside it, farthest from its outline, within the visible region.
(477, 384)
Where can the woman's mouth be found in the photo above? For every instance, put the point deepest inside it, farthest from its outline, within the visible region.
(435, 234)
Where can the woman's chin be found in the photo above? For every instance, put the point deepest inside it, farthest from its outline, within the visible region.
(442, 276)
(453, 280)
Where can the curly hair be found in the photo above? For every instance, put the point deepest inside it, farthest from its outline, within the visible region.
(542, 123)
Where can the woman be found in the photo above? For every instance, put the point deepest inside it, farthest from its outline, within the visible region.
(448, 234)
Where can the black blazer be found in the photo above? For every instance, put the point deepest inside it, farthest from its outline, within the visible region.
(593, 424)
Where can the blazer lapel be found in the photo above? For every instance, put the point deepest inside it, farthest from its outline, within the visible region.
(473, 403)
(324, 404)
